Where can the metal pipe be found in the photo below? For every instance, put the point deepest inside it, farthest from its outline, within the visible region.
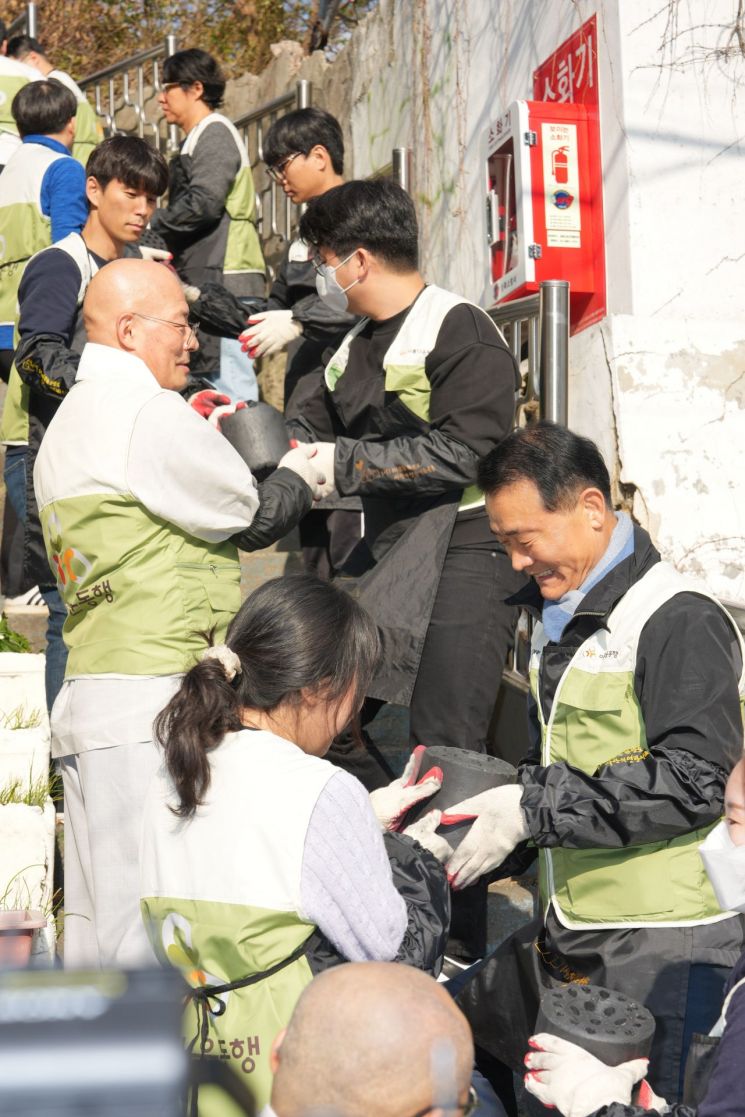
(171, 46)
(554, 358)
(32, 21)
(303, 94)
(402, 163)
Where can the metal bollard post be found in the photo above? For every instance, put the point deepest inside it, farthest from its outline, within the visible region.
(32, 21)
(554, 359)
(303, 94)
(402, 167)
(174, 141)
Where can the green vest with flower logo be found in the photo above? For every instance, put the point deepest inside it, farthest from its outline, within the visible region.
(596, 719)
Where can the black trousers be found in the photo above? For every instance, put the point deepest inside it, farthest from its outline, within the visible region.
(469, 635)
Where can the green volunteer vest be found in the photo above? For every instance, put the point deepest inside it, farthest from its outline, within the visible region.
(213, 943)
(9, 86)
(14, 424)
(86, 132)
(243, 250)
(138, 590)
(404, 361)
(24, 229)
(596, 719)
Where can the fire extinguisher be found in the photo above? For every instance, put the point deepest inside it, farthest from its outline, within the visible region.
(560, 165)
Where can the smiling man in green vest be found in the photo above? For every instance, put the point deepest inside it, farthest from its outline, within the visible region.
(635, 678)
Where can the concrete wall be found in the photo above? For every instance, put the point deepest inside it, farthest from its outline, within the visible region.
(660, 383)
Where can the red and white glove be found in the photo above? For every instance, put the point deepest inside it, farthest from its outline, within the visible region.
(214, 406)
(205, 402)
(565, 1077)
(268, 333)
(391, 803)
(499, 826)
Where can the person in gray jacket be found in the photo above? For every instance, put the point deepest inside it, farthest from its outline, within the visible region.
(208, 223)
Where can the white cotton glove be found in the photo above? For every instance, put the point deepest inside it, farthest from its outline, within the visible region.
(160, 255)
(269, 333)
(326, 459)
(302, 460)
(499, 826)
(391, 803)
(425, 832)
(564, 1076)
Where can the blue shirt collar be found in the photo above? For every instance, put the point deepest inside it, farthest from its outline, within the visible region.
(47, 141)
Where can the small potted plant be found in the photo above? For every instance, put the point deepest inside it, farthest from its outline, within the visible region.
(17, 929)
(27, 836)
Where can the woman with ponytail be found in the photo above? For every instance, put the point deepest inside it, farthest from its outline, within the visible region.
(261, 862)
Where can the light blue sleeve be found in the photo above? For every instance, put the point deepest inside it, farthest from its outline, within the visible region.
(63, 197)
(346, 884)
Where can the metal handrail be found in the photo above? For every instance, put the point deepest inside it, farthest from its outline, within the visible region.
(120, 67)
(519, 323)
(276, 216)
(27, 23)
(114, 92)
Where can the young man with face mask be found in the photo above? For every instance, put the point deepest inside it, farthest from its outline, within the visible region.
(636, 674)
(416, 391)
(563, 1076)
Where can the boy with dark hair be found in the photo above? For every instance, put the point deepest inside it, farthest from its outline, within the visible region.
(125, 177)
(416, 392)
(42, 190)
(209, 222)
(304, 152)
(42, 199)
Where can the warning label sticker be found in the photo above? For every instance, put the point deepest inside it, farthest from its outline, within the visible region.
(561, 185)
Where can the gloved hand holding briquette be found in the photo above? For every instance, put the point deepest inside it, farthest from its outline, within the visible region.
(391, 803)
(270, 332)
(498, 827)
(304, 460)
(566, 1077)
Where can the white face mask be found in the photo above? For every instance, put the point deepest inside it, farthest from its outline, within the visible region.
(329, 288)
(725, 866)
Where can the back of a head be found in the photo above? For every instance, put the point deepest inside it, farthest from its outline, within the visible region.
(20, 46)
(375, 214)
(557, 461)
(132, 161)
(3, 32)
(372, 1037)
(189, 66)
(302, 130)
(43, 108)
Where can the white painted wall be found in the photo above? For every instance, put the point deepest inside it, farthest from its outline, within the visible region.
(660, 384)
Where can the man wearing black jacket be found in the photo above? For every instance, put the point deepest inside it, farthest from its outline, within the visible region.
(635, 717)
(419, 388)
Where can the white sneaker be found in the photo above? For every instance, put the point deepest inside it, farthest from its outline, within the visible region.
(30, 602)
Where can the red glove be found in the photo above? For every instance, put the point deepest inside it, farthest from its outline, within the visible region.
(205, 402)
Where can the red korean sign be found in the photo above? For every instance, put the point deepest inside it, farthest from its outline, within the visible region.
(570, 76)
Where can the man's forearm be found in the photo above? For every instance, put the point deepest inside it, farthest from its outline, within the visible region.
(284, 498)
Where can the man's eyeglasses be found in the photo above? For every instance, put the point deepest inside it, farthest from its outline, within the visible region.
(277, 170)
(191, 328)
(465, 1110)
